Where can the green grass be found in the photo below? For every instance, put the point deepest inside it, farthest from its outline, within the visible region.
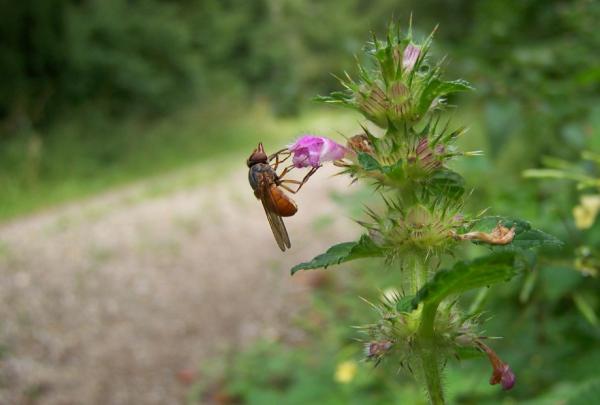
(91, 152)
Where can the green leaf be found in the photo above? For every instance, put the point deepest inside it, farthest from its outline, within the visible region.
(368, 162)
(342, 252)
(586, 309)
(438, 88)
(386, 62)
(467, 275)
(395, 172)
(336, 97)
(405, 304)
(527, 288)
(525, 238)
(448, 183)
(468, 353)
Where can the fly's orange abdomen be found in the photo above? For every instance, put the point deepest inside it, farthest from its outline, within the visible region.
(285, 206)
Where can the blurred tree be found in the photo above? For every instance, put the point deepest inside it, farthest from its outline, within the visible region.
(143, 55)
(32, 35)
(62, 52)
(132, 54)
(544, 72)
(526, 56)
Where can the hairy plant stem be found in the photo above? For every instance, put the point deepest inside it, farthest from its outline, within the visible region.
(417, 271)
(428, 353)
(426, 345)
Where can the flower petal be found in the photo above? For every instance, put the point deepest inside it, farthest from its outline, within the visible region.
(508, 378)
(410, 56)
(311, 150)
(501, 372)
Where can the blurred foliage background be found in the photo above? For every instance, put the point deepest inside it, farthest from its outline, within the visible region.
(98, 93)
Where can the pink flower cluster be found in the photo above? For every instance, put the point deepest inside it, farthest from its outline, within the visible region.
(313, 151)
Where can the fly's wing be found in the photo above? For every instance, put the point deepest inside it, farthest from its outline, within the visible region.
(278, 228)
(275, 221)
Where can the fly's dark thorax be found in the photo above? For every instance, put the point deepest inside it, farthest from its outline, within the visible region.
(260, 171)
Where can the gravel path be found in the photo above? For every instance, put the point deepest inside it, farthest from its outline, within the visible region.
(107, 300)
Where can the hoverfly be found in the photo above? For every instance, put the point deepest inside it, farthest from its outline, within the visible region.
(268, 185)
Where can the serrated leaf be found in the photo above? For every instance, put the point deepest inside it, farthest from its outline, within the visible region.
(467, 275)
(448, 183)
(525, 238)
(342, 252)
(438, 88)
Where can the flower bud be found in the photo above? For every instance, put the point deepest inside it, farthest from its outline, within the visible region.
(377, 349)
(427, 158)
(373, 103)
(400, 101)
(410, 57)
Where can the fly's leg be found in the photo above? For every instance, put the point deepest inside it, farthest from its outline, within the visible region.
(285, 171)
(279, 152)
(283, 186)
(276, 164)
(276, 157)
(300, 183)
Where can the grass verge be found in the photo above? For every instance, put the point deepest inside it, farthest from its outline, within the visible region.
(91, 152)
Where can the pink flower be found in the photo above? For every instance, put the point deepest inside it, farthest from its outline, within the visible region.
(410, 56)
(501, 372)
(504, 376)
(310, 150)
(377, 349)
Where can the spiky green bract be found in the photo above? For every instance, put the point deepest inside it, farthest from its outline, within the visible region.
(420, 229)
(399, 322)
(419, 223)
(392, 93)
(410, 158)
(399, 235)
